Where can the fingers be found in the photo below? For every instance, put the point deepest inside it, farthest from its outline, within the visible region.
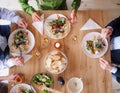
(18, 61)
(35, 17)
(22, 23)
(106, 32)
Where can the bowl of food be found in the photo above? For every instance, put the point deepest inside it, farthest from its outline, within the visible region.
(94, 45)
(57, 26)
(21, 39)
(56, 62)
(22, 88)
(42, 79)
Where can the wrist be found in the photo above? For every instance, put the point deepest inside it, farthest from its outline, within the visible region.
(113, 70)
(74, 11)
(110, 28)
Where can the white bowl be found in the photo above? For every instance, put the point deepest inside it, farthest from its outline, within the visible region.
(74, 85)
(55, 64)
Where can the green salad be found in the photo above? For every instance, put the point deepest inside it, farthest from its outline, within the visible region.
(21, 38)
(26, 91)
(42, 79)
(58, 25)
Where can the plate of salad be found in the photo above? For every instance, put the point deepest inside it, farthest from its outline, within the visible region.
(23, 39)
(57, 26)
(94, 45)
(42, 79)
(22, 88)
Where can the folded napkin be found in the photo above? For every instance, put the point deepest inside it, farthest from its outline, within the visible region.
(39, 24)
(26, 57)
(90, 24)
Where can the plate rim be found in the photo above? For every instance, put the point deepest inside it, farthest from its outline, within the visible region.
(20, 84)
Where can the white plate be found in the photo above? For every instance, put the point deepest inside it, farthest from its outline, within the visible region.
(30, 37)
(15, 89)
(89, 36)
(57, 36)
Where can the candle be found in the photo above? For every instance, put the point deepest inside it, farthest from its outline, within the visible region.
(57, 45)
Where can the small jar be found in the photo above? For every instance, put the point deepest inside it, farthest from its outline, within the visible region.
(19, 78)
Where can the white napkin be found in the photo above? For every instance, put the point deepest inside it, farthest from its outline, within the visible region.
(90, 24)
(39, 24)
(26, 57)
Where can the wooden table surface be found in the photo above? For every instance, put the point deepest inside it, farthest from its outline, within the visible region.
(95, 80)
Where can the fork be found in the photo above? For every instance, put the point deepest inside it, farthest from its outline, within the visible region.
(20, 50)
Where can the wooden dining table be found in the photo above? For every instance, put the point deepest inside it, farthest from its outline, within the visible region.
(95, 79)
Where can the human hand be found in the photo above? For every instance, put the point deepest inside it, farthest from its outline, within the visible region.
(73, 17)
(106, 32)
(11, 77)
(22, 23)
(104, 64)
(19, 61)
(35, 17)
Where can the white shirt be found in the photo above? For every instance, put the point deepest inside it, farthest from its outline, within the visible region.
(9, 15)
(13, 17)
(115, 43)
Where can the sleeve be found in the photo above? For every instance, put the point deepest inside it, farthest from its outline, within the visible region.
(9, 15)
(76, 4)
(115, 23)
(26, 7)
(6, 64)
(117, 73)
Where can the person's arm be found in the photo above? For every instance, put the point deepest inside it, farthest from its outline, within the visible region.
(6, 64)
(13, 17)
(19, 61)
(26, 7)
(112, 28)
(117, 73)
(9, 15)
(9, 77)
(115, 23)
(76, 4)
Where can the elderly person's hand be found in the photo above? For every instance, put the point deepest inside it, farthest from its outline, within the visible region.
(104, 64)
(73, 16)
(106, 32)
(19, 61)
(35, 17)
(22, 23)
